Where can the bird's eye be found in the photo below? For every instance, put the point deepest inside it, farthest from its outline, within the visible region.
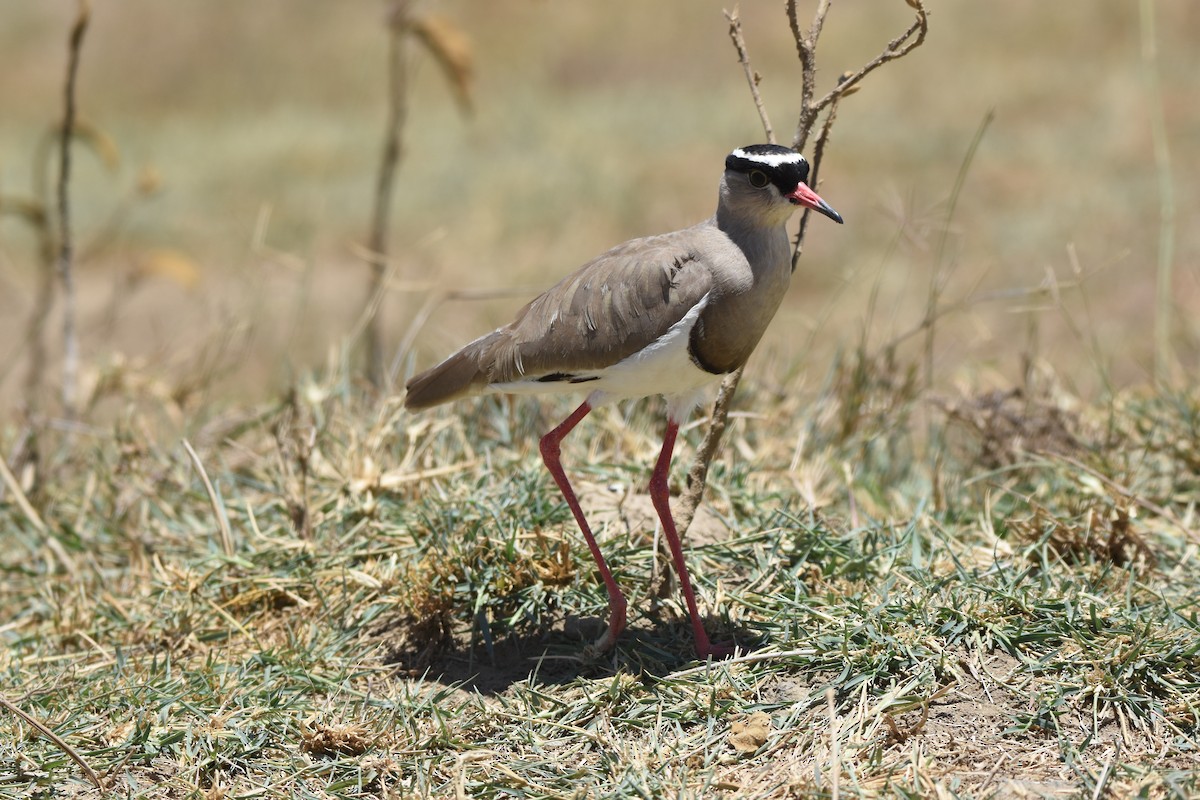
(758, 178)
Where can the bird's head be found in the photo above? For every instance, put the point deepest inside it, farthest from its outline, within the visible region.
(771, 179)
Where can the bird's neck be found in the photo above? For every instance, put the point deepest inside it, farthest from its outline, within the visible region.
(761, 237)
(751, 224)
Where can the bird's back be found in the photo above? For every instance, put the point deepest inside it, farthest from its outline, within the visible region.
(610, 308)
(705, 293)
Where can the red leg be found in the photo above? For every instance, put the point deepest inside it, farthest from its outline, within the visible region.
(550, 455)
(661, 497)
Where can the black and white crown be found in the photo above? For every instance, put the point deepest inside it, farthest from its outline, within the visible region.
(784, 166)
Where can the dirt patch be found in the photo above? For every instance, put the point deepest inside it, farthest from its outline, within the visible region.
(975, 738)
(980, 734)
(1008, 425)
(614, 509)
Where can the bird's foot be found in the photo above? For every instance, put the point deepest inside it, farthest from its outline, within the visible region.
(602, 645)
(721, 650)
(616, 624)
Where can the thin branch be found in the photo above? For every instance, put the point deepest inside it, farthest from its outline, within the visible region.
(752, 77)
(970, 301)
(899, 47)
(70, 340)
(35, 329)
(393, 149)
(806, 49)
(814, 176)
(941, 274)
(698, 474)
(819, 147)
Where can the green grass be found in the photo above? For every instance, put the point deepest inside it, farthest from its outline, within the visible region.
(1034, 627)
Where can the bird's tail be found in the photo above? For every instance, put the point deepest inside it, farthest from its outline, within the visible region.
(458, 376)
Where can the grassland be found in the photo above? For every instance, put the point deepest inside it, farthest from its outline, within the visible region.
(971, 575)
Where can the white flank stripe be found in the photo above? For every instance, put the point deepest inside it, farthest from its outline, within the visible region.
(663, 367)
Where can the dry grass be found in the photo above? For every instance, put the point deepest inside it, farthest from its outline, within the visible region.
(972, 591)
(1034, 634)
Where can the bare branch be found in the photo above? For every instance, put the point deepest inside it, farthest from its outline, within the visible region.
(70, 339)
(899, 47)
(819, 148)
(940, 276)
(806, 48)
(698, 474)
(752, 77)
(814, 176)
(393, 149)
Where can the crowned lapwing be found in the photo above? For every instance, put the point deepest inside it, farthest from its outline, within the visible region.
(669, 314)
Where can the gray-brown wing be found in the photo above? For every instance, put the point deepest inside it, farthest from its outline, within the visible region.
(608, 309)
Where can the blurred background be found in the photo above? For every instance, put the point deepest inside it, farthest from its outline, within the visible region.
(222, 205)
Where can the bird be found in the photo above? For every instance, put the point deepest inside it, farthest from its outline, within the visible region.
(669, 314)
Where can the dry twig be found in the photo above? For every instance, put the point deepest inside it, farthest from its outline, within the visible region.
(815, 173)
(806, 45)
(451, 50)
(393, 148)
(41, 728)
(810, 110)
(752, 77)
(70, 338)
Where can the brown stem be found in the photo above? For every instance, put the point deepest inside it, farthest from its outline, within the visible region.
(813, 178)
(65, 273)
(899, 47)
(35, 329)
(806, 49)
(698, 474)
(752, 77)
(44, 730)
(393, 148)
